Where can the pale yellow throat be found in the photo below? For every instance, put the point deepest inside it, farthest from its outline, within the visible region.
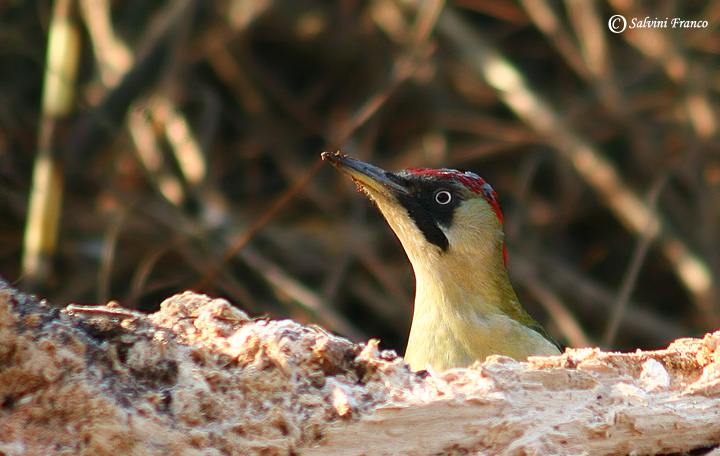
(465, 306)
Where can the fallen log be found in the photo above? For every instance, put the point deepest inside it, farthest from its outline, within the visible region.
(200, 377)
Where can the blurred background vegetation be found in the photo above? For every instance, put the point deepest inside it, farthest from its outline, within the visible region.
(151, 147)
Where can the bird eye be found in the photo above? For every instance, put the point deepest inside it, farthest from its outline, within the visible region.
(443, 197)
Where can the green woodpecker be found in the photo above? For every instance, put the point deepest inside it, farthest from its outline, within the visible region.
(451, 228)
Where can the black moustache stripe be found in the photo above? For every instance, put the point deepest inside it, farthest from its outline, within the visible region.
(425, 222)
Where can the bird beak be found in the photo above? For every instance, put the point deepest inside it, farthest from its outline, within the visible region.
(365, 175)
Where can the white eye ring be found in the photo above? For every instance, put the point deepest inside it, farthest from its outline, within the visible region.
(443, 197)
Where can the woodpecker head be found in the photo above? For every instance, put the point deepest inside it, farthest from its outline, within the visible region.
(441, 216)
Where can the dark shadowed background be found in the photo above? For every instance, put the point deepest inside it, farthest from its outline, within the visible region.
(187, 155)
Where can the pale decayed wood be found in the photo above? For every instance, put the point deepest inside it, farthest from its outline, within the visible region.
(583, 402)
(199, 377)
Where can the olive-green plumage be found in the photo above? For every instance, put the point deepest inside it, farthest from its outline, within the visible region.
(451, 229)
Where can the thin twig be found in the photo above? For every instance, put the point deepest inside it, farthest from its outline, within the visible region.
(260, 222)
(631, 275)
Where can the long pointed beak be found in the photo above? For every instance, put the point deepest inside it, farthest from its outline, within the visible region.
(368, 176)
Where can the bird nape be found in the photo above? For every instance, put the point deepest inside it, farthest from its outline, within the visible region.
(450, 225)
